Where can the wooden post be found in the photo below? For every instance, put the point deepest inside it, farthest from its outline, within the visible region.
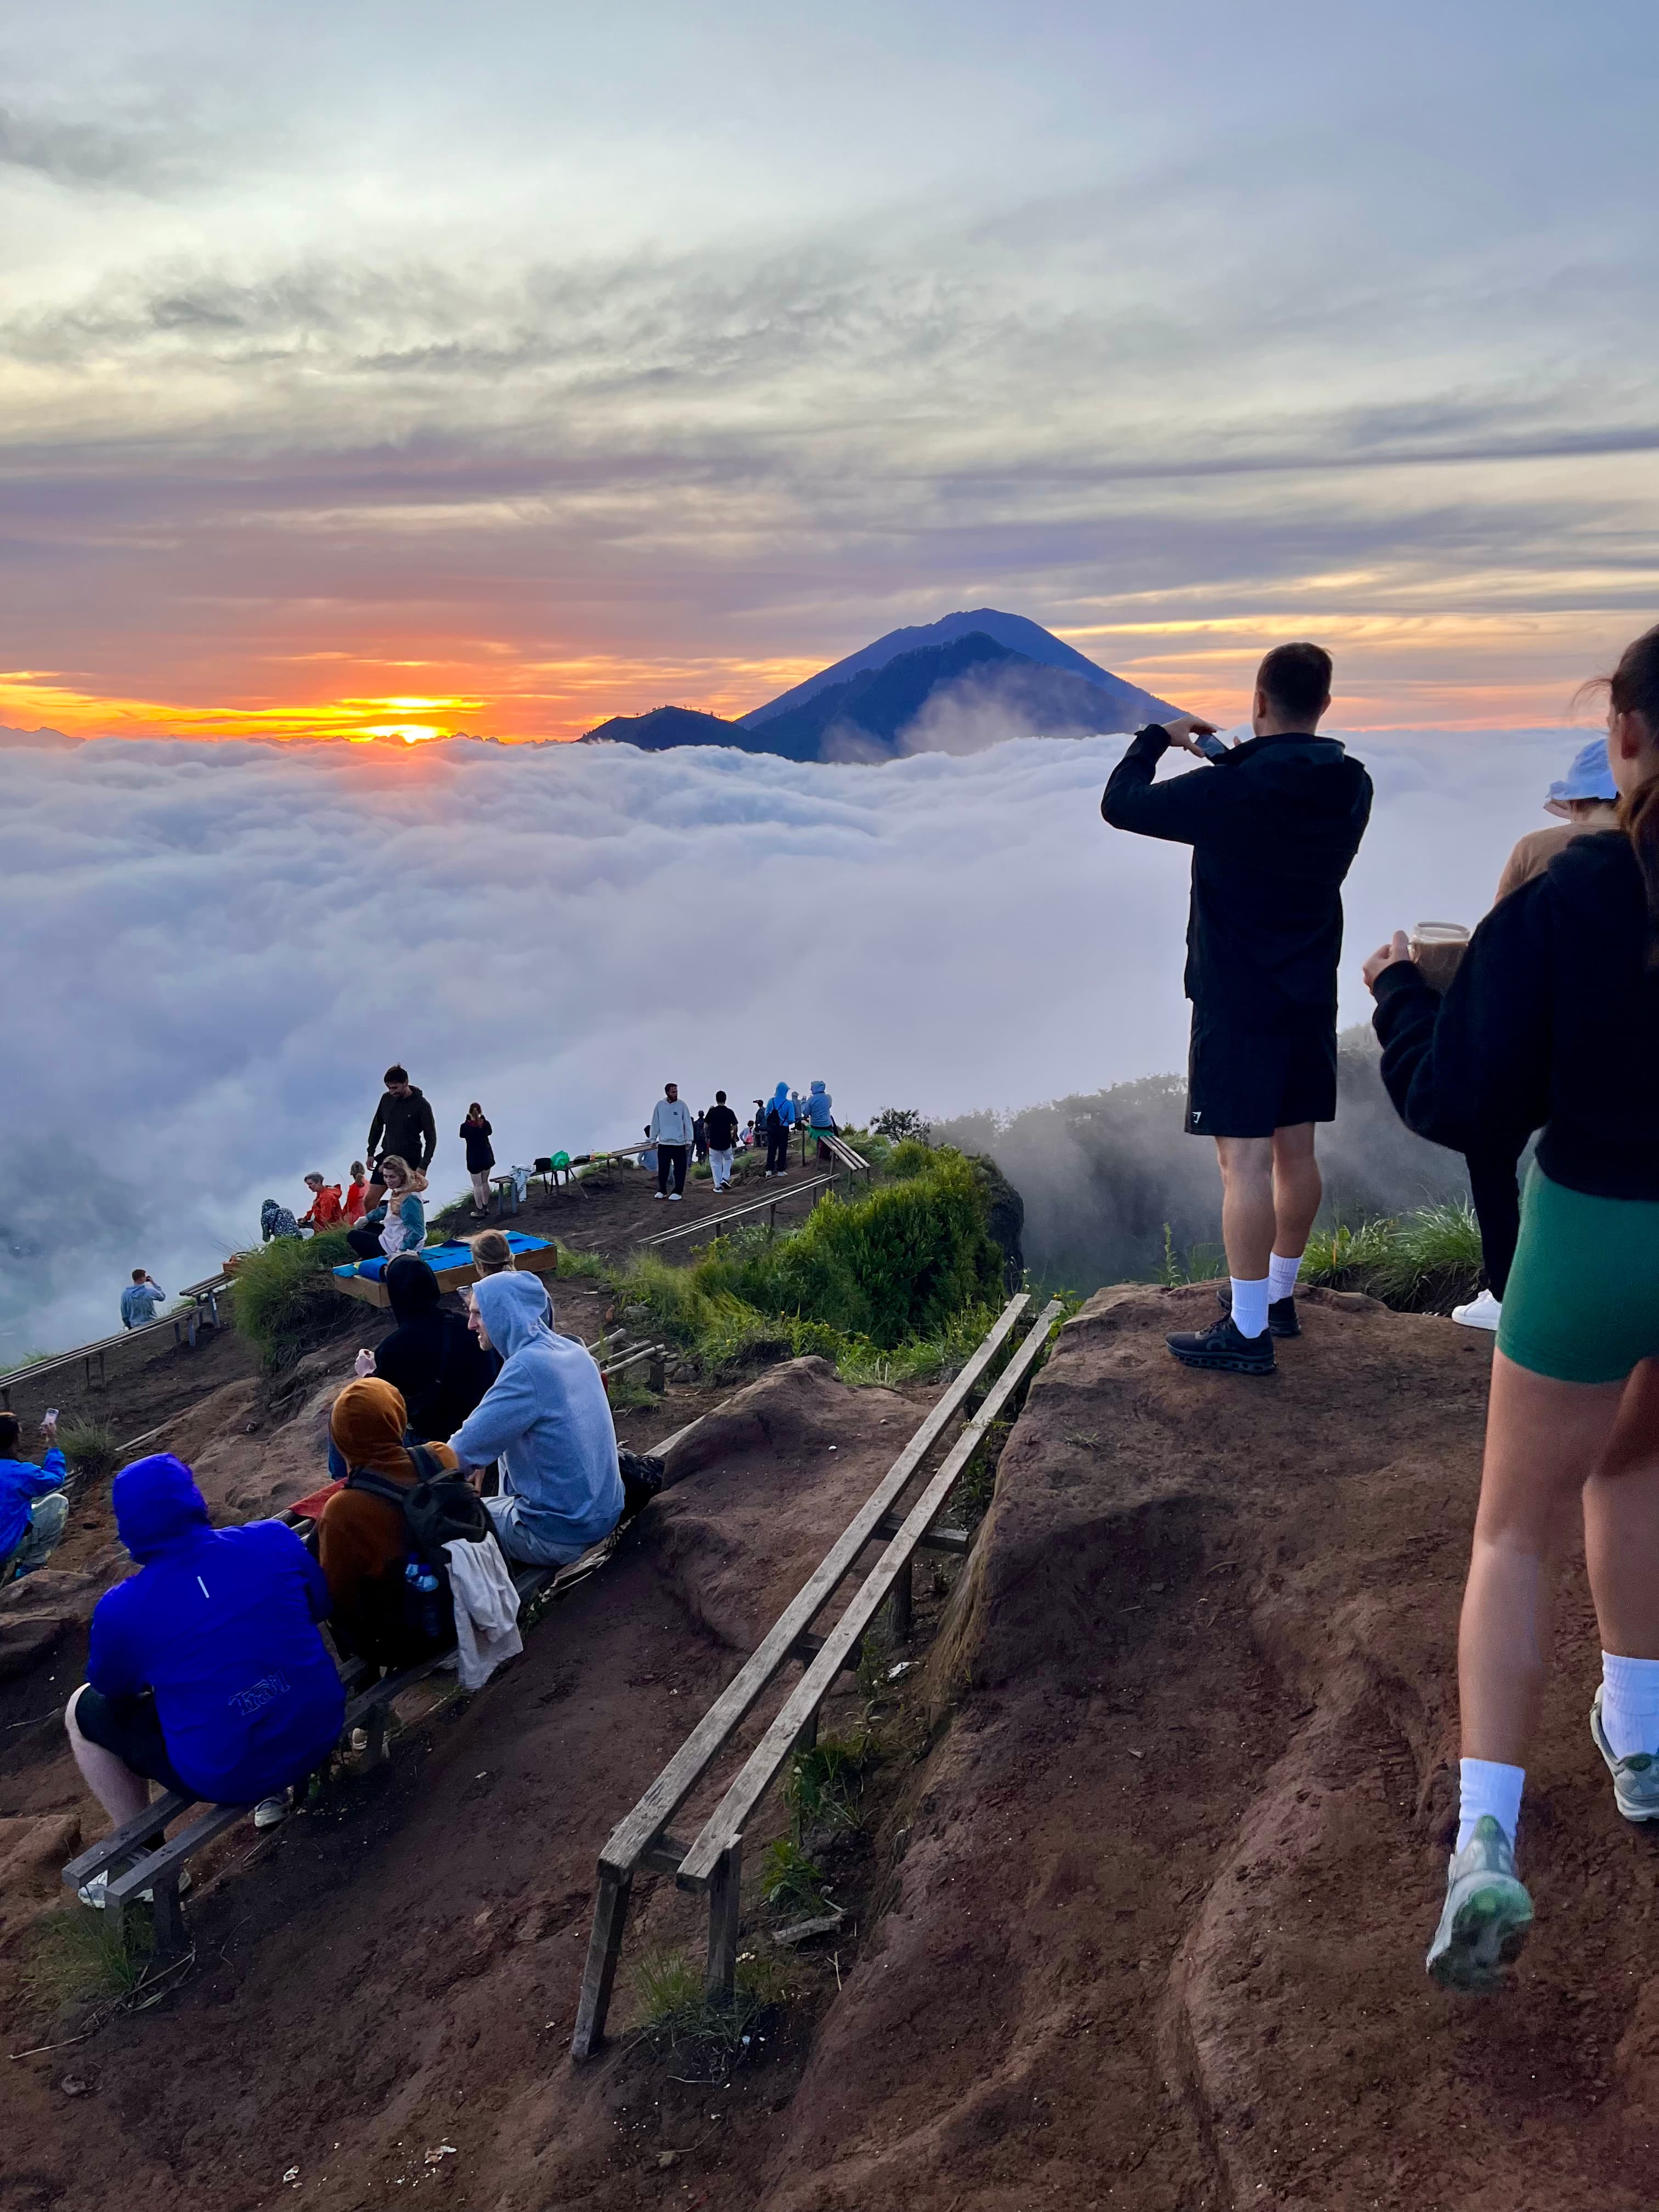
(900, 1604)
(376, 1719)
(169, 1917)
(600, 1975)
(721, 1983)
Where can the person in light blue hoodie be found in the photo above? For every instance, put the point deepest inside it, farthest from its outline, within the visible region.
(820, 1117)
(780, 1120)
(546, 1421)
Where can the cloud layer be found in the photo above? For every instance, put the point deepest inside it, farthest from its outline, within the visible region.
(214, 952)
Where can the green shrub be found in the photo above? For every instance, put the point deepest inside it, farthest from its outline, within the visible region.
(679, 2018)
(92, 1448)
(78, 1956)
(282, 1293)
(789, 1878)
(826, 1781)
(1426, 1262)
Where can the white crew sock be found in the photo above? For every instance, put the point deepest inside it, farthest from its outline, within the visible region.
(1630, 1704)
(1249, 1306)
(1488, 1787)
(1281, 1276)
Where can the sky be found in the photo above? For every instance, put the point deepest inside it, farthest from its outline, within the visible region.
(498, 369)
(214, 950)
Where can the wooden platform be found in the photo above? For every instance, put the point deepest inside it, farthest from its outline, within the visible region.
(542, 1262)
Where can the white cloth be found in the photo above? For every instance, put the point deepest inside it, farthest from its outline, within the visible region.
(670, 1122)
(486, 1610)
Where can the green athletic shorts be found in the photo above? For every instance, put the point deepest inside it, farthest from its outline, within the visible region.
(1581, 1304)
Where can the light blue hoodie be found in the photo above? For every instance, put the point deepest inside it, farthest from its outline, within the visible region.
(545, 1418)
(782, 1106)
(818, 1105)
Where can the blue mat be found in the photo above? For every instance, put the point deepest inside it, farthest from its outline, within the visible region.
(441, 1257)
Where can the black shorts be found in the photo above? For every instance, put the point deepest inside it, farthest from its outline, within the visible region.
(132, 1728)
(1247, 1081)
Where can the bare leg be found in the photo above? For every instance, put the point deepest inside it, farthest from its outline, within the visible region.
(122, 1793)
(1621, 1523)
(1544, 1441)
(1247, 1204)
(1297, 1190)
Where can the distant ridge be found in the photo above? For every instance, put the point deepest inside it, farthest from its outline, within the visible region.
(1017, 632)
(665, 727)
(40, 741)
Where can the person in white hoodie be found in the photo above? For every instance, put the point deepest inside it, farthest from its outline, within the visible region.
(671, 1132)
(546, 1421)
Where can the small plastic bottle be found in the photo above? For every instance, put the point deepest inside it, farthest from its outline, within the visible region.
(428, 1610)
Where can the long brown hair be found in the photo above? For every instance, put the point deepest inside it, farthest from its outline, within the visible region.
(1633, 689)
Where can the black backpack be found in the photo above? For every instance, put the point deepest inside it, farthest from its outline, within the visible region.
(402, 1625)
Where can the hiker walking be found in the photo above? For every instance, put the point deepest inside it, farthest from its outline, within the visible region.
(671, 1132)
(780, 1120)
(1584, 801)
(480, 1157)
(1274, 824)
(1551, 1022)
(402, 1124)
(721, 1126)
(700, 1137)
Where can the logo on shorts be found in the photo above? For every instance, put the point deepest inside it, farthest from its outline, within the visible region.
(1198, 1115)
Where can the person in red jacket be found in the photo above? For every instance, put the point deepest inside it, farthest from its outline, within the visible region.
(327, 1210)
(356, 1196)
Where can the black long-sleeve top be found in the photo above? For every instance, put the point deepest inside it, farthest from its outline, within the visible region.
(1273, 825)
(1551, 1023)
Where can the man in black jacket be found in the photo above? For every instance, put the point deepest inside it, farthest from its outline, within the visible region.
(1274, 824)
(402, 1124)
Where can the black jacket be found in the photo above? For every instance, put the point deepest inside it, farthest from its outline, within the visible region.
(403, 1126)
(722, 1127)
(1274, 825)
(475, 1135)
(431, 1355)
(1551, 1023)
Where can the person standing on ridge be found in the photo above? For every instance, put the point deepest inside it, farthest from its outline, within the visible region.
(140, 1299)
(780, 1120)
(721, 1124)
(1274, 824)
(671, 1132)
(700, 1136)
(1583, 800)
(476, 1134)
(402, 1124)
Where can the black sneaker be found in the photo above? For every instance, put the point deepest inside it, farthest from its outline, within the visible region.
(1281, 1314)
(1223, 1347)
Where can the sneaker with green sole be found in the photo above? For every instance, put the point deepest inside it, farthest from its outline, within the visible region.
(1635, 1779)
(1486, 1916)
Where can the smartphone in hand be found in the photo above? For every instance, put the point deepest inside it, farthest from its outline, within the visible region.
(1211, 747)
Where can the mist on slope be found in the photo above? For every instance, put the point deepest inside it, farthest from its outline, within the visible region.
(214, 950)
(1105, 1175)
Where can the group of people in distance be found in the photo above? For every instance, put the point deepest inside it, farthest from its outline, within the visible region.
(207, 1671)
(1549, 1027)
(675, 1135)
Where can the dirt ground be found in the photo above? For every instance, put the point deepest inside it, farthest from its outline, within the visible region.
(1142, 1925)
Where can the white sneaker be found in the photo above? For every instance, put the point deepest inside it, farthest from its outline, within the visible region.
(674, 1197)
(1484, 1312)
(659, 1193)
(271, 1812)
(95, 1893)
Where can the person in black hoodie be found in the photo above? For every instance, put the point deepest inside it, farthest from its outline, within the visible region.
(402, 1124)
(476, 1134)
(1274, 824)
(1552, 1023)
(432, 1356)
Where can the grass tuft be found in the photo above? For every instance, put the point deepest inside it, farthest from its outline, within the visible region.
(790, 1880)
(825, 1781)
(92, 1448)
(682, 2021)
(1425, 1262)
(81, 1956)
(282, 1293)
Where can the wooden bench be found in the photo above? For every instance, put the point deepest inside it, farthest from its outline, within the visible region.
(542, 1259)
(642, 1841)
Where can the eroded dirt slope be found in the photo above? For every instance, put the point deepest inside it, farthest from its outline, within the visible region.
(1158, 1936)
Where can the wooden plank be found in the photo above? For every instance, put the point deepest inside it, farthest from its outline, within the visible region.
(643, 1825)
(736, 1213)
(139, 1831)
(372, 1293)
(599, 1974)
(721, 1979)
(956, 1541)
(724, 1826)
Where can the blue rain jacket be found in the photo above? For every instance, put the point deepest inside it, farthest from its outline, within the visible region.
(20, 1482)
(818, 1105)
(221, 1625)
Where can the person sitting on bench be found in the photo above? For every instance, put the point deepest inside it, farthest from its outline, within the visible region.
(205, 1671)
(360, 1537)
(33, 1508)
(432, 1356)
(546, 1421)
(397, 1223)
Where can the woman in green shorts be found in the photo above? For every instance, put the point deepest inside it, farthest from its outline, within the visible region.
(1553, 1023)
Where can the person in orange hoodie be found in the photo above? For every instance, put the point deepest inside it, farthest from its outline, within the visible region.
(327, 1211)
(356, 1196)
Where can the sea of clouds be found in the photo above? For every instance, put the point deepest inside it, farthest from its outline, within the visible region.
(212, 951)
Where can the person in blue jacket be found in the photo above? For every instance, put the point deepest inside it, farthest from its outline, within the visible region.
(205, 1671)
(32, 1507)
(546, 1420)
(780, 1120)
(820, 1116)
